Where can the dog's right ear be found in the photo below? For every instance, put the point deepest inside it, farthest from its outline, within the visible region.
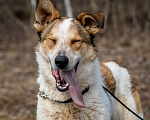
(45, 13)
(93, 22)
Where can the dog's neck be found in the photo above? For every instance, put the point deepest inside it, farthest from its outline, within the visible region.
(48, 83)
(45, 96)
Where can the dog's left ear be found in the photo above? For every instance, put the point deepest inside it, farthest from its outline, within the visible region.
(92, 21)
(45, 13)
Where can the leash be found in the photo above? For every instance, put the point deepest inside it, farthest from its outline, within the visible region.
(121, 102)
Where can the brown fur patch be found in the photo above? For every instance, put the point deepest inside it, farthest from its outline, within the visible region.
(86, 45)
(108, 76)
(136, 98)
(81, 31)
(47, 31)
(92, 21)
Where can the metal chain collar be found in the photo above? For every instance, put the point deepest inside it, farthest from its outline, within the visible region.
(43, 95)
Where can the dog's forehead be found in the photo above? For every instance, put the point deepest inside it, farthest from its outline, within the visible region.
(64, 23)
(66, 26)
(62, 27)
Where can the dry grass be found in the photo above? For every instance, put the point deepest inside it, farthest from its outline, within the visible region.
(18, 86)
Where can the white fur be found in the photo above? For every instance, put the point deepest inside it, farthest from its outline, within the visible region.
(63, 31)
(99, 105)
(123, 92)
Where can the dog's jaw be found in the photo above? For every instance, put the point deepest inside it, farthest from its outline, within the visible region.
(61, 84)
(67, 79)
(47, 81)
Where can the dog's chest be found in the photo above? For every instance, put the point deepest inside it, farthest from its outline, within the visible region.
(67, 111)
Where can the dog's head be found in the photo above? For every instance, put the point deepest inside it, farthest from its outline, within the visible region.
(66, 42)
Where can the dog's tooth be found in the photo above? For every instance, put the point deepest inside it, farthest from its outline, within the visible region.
(66, 85)
(58, 84)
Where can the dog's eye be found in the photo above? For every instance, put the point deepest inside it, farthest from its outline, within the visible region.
(53, 40)
(75, 41)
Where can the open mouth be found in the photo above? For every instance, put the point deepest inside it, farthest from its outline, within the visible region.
(67, 80)
(61, 84)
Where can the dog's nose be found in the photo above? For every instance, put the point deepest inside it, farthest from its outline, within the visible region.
(61, 60)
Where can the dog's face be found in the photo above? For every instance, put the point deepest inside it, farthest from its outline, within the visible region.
(66, 42)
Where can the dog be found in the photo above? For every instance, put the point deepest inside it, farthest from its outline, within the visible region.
(70, 74)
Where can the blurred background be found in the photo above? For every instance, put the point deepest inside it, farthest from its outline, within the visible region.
(125, 39)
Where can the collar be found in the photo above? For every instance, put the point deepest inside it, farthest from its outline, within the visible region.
(45, 96)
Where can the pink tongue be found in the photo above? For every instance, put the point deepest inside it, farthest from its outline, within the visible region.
(74, 88)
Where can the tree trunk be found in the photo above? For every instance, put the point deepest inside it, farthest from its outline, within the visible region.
(31, 5)
(69, 12)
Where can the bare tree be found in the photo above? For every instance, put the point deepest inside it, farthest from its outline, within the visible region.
(31, 4)
(69, 12)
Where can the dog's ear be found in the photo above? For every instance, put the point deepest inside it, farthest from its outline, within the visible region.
(45, 13)
(92, 21)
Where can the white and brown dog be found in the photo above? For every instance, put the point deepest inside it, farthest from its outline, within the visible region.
(70, 75)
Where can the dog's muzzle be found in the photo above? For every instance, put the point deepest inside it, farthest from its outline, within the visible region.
(66, 79)
(61, 60)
